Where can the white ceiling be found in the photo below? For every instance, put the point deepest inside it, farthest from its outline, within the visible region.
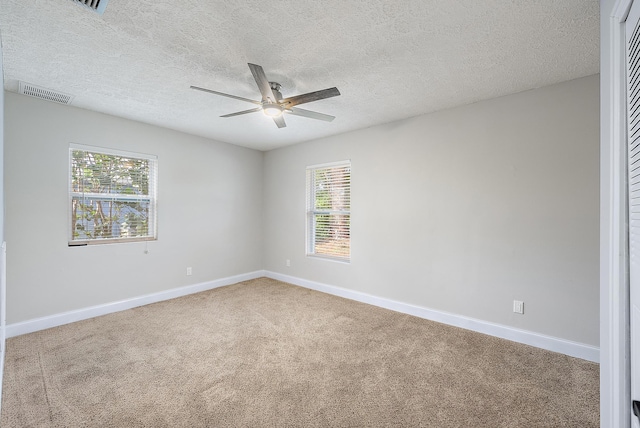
(390, 59)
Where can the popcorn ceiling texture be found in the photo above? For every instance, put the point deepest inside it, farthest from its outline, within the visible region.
(390, 59)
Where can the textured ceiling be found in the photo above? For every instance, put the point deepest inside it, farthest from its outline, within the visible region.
(390, 59)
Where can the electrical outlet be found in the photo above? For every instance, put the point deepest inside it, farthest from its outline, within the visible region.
(189, 271)
(518, 307)
(288, 263)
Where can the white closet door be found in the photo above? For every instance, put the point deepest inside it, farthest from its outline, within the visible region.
(633, 125)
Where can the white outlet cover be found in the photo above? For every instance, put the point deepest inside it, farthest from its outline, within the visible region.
(518, 306)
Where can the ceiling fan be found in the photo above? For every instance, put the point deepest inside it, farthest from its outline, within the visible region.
(273, 104)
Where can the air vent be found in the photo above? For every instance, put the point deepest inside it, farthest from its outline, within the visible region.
(44, 93)
(97, 5)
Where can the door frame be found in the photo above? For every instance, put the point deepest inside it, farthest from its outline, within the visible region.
(615, 384)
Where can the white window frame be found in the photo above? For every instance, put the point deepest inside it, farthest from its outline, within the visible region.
(151, 197)
(311, 212)
(615, 375)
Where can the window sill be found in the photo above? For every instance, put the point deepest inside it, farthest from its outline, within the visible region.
(331, 259)
(110, 241)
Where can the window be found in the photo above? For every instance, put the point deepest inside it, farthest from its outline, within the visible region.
(329, 211)
(112, 196)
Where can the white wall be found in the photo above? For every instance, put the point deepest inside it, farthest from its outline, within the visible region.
(209, 204)
(462, 210)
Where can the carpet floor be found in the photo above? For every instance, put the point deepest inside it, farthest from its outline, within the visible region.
(264, 353)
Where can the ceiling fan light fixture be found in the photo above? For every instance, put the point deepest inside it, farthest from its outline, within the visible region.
(272, 110)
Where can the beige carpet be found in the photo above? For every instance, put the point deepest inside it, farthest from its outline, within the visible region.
(263, 353)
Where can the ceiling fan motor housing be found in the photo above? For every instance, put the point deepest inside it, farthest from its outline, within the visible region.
(275, 88)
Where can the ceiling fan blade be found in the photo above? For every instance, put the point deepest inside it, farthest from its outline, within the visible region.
(309, 97)
(280, 121)
(263, 83)
(253, 110)
(226, 95)
(310, 114)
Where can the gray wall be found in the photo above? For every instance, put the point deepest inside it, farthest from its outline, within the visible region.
(462, 210)
(209, 202)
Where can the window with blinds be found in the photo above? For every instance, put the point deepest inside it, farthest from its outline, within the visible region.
(329, 211)
(112, 196)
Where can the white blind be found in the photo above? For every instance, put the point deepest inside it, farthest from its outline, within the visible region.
(329, 210)
(112, 196)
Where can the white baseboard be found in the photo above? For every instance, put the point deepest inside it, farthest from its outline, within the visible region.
(550, 343)
(567, 347)
(3, 311)
(1, 376)
(43, 323)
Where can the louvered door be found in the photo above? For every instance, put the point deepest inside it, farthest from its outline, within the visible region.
(633, 126)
